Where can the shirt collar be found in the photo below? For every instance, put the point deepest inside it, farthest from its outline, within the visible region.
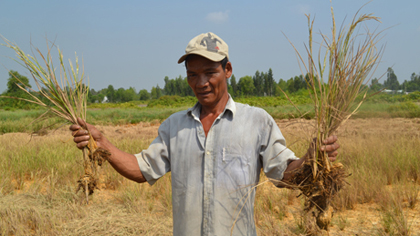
(230, 106)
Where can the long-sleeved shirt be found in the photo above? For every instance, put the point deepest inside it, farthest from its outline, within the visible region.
(213, 177)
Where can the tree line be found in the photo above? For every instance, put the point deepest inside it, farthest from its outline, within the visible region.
(391, 83)
(260, 84)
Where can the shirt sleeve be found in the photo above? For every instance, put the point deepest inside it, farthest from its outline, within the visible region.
(154, 161)
(274, 154)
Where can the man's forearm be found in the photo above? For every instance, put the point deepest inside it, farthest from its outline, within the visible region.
(124, 163)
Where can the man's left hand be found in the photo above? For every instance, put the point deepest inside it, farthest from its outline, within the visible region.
(330, 146)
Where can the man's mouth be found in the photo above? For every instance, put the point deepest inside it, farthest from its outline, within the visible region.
(204, 93)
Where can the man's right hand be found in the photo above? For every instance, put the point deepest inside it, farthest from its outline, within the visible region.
(81, 133)
(126, 164)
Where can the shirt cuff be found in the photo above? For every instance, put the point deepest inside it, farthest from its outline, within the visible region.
(145, 168)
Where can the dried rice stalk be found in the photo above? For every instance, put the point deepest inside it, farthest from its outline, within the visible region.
(64, 97)
(334, 82)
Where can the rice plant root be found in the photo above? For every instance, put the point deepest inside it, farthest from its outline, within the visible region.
(88, 182)
(319, 189)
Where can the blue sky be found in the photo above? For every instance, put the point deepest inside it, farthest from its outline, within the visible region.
(138, 43)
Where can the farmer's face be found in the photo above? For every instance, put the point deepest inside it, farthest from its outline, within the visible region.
(208, 80)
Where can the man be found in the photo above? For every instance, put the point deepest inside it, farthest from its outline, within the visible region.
(214, 150)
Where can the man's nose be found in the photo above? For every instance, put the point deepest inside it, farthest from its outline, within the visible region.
(202, 81)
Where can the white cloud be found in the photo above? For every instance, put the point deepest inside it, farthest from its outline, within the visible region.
(218, 17)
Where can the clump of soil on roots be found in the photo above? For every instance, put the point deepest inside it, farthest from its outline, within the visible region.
(93, 161)
(319, 188)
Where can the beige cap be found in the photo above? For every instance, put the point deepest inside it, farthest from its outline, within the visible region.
(207, 45)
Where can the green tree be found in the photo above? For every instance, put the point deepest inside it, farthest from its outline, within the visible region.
(179, 86)
(299, 82)
(100, 97)
(375, 86)
(246, 86)
(413, 84)
(169, 88)
(187, 89)
(391, 81)
(123, 95)
(92, 95)
(159, 91)
(290, 84)
(156, 92)
(234, 85)
(118, 95)
(269, 83)
(13, 90)
(296, 83)
(153, 93)
(129, 95)
(110, 93)
(277, 90)
(258, 80)
(144, 95)
(14, 80)
(282, 84)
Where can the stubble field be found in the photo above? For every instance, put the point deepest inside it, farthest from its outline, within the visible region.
(38, 177)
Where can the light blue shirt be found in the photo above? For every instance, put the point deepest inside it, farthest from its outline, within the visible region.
(213, 177)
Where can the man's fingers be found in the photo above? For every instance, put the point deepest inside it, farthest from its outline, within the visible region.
(330, 139)
(332, 159)
(82, 123)
(79, 139)
(79, 132)
(333, 154)
(330, 148)
(75, 127)
(82, 145)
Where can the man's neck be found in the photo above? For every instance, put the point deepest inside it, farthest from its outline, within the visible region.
(214, 110)
(209, 114)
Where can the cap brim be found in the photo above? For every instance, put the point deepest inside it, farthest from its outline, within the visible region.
(216, 57)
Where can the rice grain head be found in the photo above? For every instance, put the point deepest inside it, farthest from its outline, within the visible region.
(64, 96)
(335, 80)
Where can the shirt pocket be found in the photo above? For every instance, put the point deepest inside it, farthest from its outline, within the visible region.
(233, 171)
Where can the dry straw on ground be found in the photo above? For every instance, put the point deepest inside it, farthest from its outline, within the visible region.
(336, 78)
(63, 96)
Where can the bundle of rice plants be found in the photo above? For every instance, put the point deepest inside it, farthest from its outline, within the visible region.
(63, 96)
(335, 76)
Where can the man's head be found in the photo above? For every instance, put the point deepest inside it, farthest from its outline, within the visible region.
(208, 68)
(207, 45)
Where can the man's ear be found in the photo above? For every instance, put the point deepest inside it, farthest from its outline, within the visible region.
(228, 69)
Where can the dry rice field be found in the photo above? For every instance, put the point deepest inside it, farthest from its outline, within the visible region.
(38, 177)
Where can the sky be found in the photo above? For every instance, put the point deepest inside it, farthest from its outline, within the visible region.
(137, 43)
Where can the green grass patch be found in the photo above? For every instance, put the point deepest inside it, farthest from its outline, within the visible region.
(119, 116)
(20, 120)
(172, 101)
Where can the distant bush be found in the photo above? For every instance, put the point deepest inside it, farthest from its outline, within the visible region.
(405, 109)
(395, 98)
(14, 104)
(300, 98)
(173, 101)
(384, 97)
(414, 96)
(131, 104)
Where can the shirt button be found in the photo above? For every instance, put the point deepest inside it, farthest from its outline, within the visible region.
(208, 153)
